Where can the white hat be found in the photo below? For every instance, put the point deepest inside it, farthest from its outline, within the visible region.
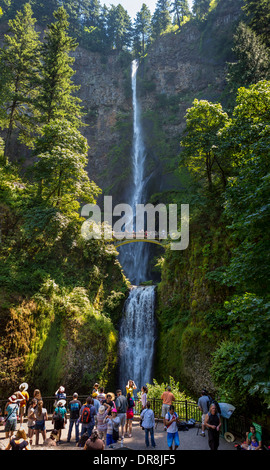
(101, 409)
(13, 398)
(23, 386)
(61, 403)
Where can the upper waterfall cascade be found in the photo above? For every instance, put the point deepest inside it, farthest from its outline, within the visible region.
(137, 331)
(134, 257)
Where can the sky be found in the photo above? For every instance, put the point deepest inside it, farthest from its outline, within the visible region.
(133, 6)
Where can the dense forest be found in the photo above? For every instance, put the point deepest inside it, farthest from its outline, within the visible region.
(62, 296)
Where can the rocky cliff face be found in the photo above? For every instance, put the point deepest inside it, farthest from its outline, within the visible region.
(105, 94)
(179, 67)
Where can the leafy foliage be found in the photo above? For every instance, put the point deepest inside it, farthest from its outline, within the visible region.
(241, 363)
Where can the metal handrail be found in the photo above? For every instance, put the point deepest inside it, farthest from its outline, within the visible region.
(184, 408)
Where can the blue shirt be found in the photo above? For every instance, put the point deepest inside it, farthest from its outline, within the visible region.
(74, 407)
(96, 404)
(12, 411)
(148, 418)
(92, 414)
(60, 409)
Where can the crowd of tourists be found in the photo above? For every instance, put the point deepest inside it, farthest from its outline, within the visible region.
(103, 420)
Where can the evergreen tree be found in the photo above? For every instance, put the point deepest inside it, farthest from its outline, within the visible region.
(142, 30)
(161, 18)
(19, 63)
(56, 99)
(200, 8)
(180, 8)
(253, 58)
(44, 10)
(94, 21)
(119, 28)
(258, 16)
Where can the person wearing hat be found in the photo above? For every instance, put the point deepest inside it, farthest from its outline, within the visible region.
(95, 391)
(59, 418)
(12, 411)
(101, 422)
(110, 401)
(23, 403)
(113, 423)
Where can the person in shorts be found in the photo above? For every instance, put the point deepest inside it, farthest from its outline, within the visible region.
(12, 411)
(203, 404)
(167, 399)
(121, 406)
(31, 419)
(171, 420)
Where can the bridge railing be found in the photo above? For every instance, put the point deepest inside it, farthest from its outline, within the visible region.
(185, 409)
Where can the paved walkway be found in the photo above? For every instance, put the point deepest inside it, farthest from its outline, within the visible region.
(189, 440)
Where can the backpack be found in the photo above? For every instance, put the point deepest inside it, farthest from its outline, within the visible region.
(58, 416)
(86, 415)
(211, 401)
(182, 426)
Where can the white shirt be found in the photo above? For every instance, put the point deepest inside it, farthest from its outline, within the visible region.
(173, 427)
(144, 399)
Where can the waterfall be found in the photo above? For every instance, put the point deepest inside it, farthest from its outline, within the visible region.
(134, 257)
(137, 330)
(137, 337)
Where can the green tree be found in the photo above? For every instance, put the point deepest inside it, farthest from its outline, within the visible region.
(247, 195)
(242, 361)
(258, 17)
(161, 18)
(44, 10)
(56, 98)
(253, 59)
(119, 26)
(19, 64)
(61, 154)
(200, 8)
(180, 9)
(142, 31)
(201, 155)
